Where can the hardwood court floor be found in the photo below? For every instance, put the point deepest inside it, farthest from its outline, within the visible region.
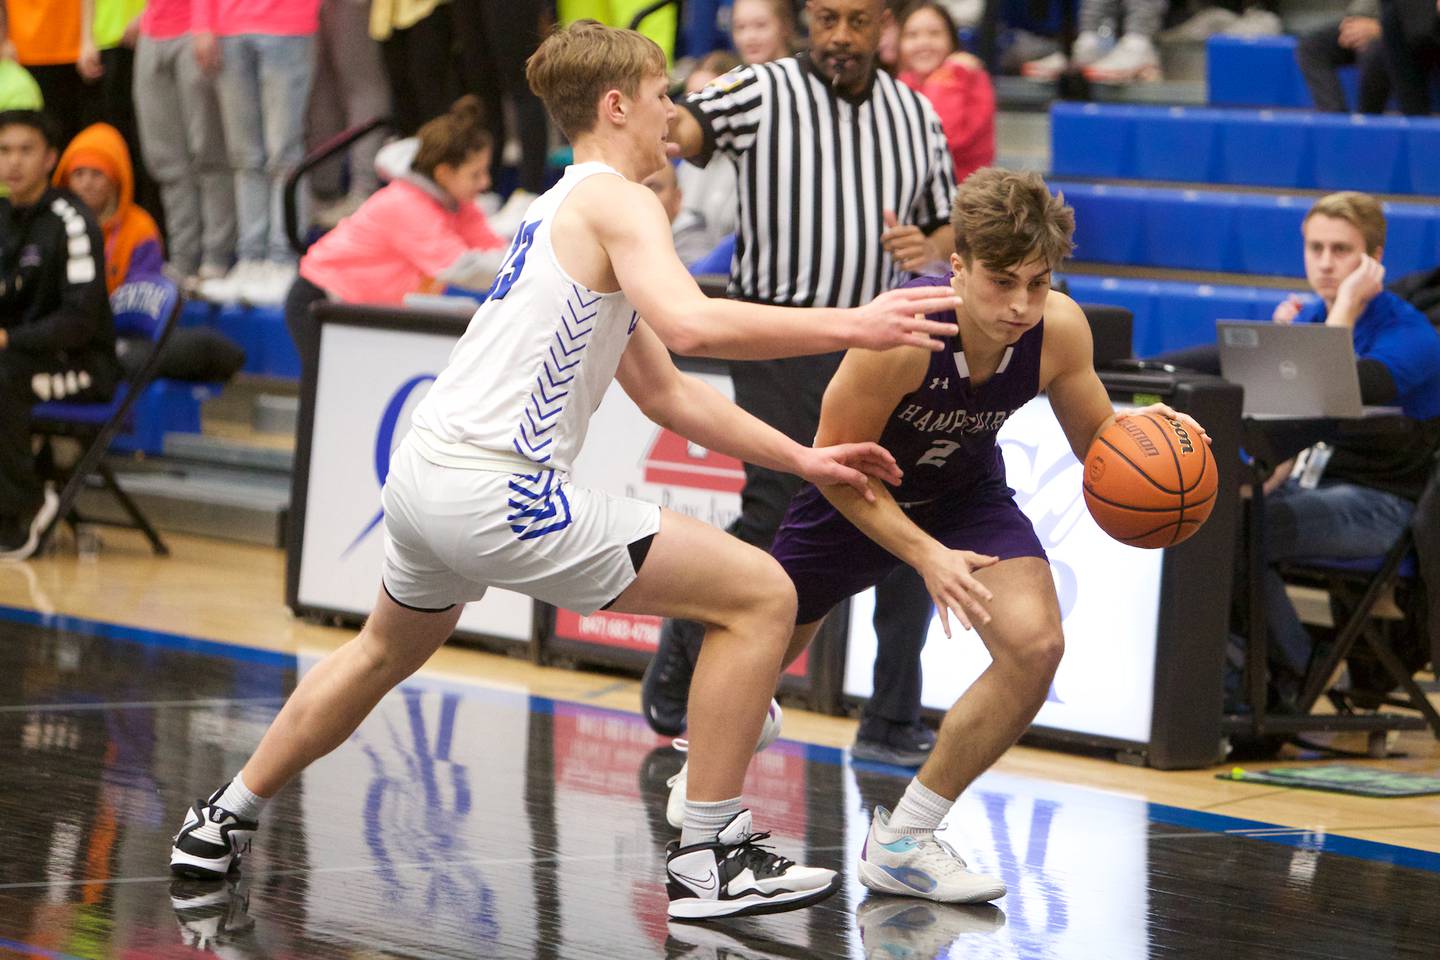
(495, 809)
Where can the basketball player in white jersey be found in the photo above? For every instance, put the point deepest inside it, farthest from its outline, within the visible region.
(479, 492)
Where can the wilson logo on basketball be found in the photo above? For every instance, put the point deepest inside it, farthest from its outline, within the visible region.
(674, 460)
(1186, 444)
(1137, 433)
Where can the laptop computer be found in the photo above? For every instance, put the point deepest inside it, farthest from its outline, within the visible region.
(1293, 370)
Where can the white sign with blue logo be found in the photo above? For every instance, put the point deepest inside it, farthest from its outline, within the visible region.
(369, 382)
(1109, 598)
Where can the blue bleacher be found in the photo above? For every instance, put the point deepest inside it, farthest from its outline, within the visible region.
(1224, 232)
(167, 406)
(1267, 148)
(260, 331)
(1171, 315)
(1258, 72)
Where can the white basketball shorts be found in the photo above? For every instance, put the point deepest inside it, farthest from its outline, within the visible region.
(451, 532)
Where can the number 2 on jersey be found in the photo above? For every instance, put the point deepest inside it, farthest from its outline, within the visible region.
(935, 456)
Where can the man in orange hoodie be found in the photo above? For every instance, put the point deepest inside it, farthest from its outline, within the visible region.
(96, 168)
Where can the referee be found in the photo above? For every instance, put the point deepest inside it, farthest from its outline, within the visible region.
(845, 184)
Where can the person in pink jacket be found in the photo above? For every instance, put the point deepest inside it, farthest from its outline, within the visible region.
(420, 233)
(954, 82)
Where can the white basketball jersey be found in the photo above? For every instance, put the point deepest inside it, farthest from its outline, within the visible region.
(535, 361)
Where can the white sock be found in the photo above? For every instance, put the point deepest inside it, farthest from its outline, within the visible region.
(920, 810)
(704, 821)
(238, 799)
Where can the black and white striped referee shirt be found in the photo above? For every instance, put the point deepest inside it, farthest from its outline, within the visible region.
(818, 169)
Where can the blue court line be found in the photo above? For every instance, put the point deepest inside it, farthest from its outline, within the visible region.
(1183, 817)
(30, 950)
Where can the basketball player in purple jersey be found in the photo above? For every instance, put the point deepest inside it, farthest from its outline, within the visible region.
(952, 517)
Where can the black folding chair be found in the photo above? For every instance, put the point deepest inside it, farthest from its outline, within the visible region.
(1365, 583)
(144, 309)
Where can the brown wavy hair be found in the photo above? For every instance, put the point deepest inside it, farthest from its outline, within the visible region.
(1004, 218)
(452, 137)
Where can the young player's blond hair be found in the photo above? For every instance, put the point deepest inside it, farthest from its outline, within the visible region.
(1004, 218)
(1360, 210)
(577, 64)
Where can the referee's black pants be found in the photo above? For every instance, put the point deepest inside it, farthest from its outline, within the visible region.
(786, 394)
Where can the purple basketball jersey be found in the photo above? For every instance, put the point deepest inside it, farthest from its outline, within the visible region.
(943, 434)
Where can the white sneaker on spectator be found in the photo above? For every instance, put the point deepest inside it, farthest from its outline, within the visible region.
(1198, 28)
(270, 284)
(1255, 22)
(1089, 47)
(508, 218)
(1133, 59)
(393, 160)
(226, 289)
(489, 203)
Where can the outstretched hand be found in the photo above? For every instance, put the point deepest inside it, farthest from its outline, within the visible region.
(897, 318)
(849, 463)
(949, 576)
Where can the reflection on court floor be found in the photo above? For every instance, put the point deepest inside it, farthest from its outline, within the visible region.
(469, 821)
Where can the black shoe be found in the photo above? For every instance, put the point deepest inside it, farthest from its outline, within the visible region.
(665, 690)
(900, 744)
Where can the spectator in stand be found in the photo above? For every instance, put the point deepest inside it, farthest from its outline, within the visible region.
(761, 31)
(420, 233)
(265, 51)
(96, 168)
(183, 144)
(954, 82)
(714, 64)
(44, 36)
(57, 336)
(1101, 58)
(1411, 32)
(350, 88)
(109, 29)
(496, 38)
(692, 240)
(415, 38)
(1353, 41)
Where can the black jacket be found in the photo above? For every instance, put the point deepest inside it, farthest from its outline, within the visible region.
(53, 301)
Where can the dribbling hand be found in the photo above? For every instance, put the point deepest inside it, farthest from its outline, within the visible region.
(897, 319)
(849, 463)
(1189, 422)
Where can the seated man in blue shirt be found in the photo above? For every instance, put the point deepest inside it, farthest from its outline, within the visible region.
(1367, 492)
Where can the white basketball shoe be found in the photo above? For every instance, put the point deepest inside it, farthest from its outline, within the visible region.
(920, 865)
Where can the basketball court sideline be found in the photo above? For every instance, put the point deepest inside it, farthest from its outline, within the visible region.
(492, 808)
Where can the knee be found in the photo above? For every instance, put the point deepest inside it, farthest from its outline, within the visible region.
(770, 601)
(1037, 656)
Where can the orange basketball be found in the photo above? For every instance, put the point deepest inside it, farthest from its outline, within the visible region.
(1148, 482)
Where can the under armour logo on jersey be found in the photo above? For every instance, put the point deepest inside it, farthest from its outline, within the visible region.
(940, 383)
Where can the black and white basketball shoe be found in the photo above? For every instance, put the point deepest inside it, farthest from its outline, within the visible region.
(735, 876)
(211, 841)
